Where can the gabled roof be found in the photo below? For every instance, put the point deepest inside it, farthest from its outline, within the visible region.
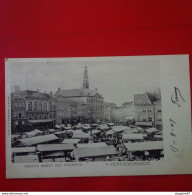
(77, 92)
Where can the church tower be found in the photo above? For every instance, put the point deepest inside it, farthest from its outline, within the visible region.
(85, 79)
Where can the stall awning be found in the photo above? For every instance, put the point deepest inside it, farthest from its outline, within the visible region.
(54, 147)
(38, 139)
(26, 159)
(90, 145)
(95, 131)
(146, 124)
(133, 136)
(40, 121)
(23, 150)
(151, 130)
(144, 146)
(71, 141)
(80, 135)
(118, 129)
(94, 151)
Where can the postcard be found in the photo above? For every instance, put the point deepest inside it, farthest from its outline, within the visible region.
(98, 116)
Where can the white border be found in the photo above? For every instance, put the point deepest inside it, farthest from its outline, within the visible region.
(174, 73)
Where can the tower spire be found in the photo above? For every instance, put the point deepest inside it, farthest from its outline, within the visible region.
(85, 79)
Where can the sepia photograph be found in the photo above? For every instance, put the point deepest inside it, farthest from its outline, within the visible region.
(86, 110)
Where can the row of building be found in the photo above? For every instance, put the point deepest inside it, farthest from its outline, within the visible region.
(34, 109)
(145, 111)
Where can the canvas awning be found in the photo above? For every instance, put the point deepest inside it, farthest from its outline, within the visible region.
(33, 133)
(40, 121)
(119, 129)
(60, 132)
(58, 126)
(130, 131)
(54, 147)
(38, 139)
(110, 132)
(71, 141)
(23, 150)
(52, 130)
(95, 131)
(111, 124)
(151, 130)
(144, 146)
(94, 151)
(90, 145)
(80, 135)
(144, 123)
(26, 159)
(133, 136)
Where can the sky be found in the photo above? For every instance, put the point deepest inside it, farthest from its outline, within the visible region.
(116, 80)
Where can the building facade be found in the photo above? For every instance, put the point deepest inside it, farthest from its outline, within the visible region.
(32, 109)
(88, 103)
(148, 110)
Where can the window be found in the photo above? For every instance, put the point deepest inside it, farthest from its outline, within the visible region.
(30, 116)
(144, 110)
(45, 116)
(30, 106)
(144, 119)
(35, 116)
(19, 115)
(159, 119)
(40, 116)
(45, 106)
(35, 106)
(159, 110)
(150, 119)
(149, 110)
(50, 115)
(40, 106)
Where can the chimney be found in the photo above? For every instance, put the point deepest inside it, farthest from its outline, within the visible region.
(59, 89)
(95, 89)
(51, 93)
(37, 90)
